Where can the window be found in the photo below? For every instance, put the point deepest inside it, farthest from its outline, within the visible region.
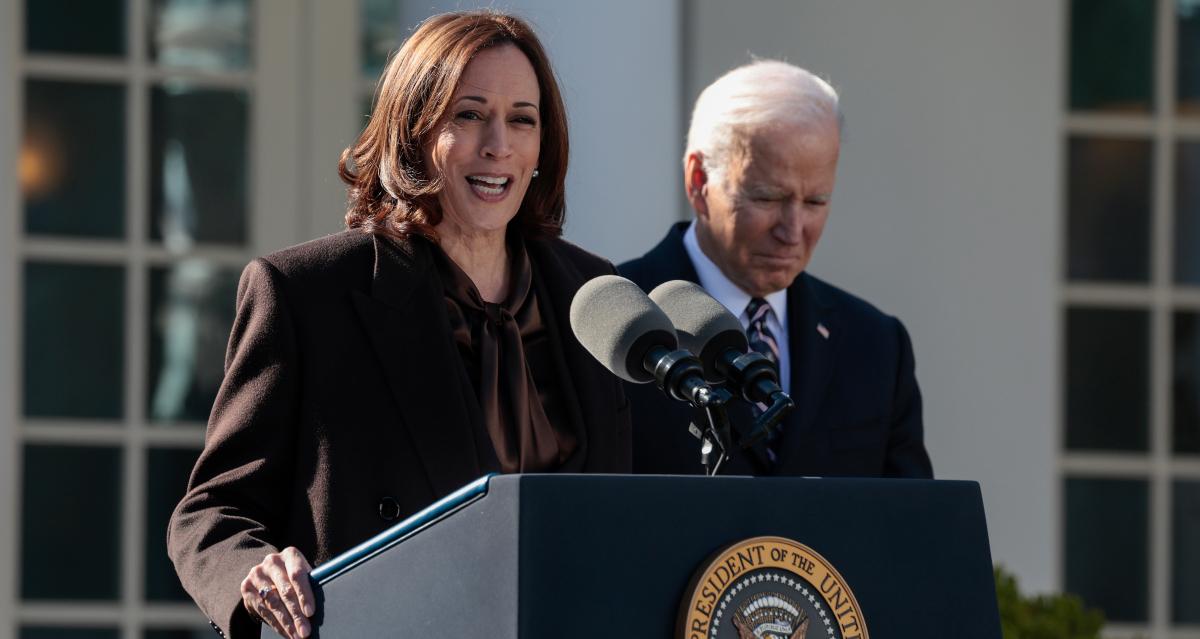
(1131, 376)
(140, 140)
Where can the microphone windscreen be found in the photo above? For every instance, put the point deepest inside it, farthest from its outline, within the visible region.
(618, 324)
(703, 325)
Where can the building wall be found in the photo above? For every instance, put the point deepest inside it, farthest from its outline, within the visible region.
(946, 215)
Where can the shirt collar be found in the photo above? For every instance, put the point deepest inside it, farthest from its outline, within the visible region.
(721, 288)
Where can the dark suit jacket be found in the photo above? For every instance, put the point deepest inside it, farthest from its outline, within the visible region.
(858, 408)
(346, 407)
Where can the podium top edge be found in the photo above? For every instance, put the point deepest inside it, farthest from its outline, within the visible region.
(396, 533)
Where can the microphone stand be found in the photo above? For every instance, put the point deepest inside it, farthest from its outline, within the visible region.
(680, 375)
(715, 437)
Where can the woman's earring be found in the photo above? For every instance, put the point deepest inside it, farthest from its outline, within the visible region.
(535, 173)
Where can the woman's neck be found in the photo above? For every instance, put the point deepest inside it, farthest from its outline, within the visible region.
(482, 255)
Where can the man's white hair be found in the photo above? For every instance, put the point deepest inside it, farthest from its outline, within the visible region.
(762, 93)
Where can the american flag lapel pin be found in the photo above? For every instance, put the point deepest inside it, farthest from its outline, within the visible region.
(822, 330)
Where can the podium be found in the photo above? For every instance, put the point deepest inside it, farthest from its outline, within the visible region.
(539, 556)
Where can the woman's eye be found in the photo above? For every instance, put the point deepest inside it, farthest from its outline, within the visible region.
(469, 115)
(525, 120)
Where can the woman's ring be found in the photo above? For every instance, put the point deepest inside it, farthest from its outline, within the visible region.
(265, 590)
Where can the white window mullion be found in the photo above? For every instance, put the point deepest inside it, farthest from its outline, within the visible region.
(133, 466)
(11, 42)
(1163, 274)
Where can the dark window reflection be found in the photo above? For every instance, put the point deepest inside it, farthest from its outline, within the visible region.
(74, 340)
(1185, 565)
(45, 632)
(70, 523)
(1112, 55)
(1188, 63)
(191, 312)
(1108, 209)
(200, 34)
(178, 633)
(72, 161)
(1106, 550)
(1187, 212)
(168, 470)
(198, 149)
(1186, 383)
(75, 27)
(1108, 367)
(381, 34)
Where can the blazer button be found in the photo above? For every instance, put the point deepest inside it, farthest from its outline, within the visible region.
(389, 508)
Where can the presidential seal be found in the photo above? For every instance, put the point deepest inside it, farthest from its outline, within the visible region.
(769, 588)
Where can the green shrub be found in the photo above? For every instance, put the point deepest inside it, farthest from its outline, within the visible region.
(1059, 616)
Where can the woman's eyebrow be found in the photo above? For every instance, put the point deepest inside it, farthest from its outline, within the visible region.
(482, 100)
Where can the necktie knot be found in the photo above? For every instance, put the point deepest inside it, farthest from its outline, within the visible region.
(757, 310)
(762, 341)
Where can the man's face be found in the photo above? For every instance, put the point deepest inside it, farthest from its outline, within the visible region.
(760, 220)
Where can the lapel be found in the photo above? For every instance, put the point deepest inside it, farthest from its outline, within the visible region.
(582, 378)
(405, 317)
(812, 360)
(669, 259)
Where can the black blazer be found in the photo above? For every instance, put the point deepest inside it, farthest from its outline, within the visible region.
(858, 407)
(346, 407)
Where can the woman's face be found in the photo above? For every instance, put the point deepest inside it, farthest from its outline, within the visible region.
(487, 147)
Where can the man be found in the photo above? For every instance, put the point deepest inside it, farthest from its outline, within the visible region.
(759, 173)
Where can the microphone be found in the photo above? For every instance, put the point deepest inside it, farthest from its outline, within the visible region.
(631, 336)
(705, 327)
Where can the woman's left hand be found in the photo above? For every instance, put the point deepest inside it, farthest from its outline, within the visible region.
(278, 591)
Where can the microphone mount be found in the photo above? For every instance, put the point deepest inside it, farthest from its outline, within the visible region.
(681, 376)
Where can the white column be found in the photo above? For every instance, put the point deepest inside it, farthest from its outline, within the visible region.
(277, 142)
(331, 99)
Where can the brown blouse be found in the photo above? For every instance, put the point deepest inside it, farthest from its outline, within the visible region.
(506, 350)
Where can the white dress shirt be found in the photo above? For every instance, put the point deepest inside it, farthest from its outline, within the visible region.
(736, 300)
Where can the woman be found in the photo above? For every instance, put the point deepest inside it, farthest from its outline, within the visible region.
(373, 371)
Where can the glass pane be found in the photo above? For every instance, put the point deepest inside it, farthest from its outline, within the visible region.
(1108, 368)
(1188, 70)
(381, 34)
(1187, 212)
(200, 34)
(1186, 383)
(1185, 564)
(74, 342)
(1108, 209)
(198, 150)
(43, 632)
(1112, 55)
(95, 27)
(191, 313)
(70, 523)
(1107, 556)
(168, 470)
(366, 105)
(179, 633)
(72, 161)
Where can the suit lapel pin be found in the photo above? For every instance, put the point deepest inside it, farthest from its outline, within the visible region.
(822, 330)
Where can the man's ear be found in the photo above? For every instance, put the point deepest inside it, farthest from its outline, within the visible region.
(695, 183)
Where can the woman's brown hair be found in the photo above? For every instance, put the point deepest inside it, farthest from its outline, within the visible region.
(390, 188)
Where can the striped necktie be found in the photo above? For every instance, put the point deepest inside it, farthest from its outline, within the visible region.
(763, 342)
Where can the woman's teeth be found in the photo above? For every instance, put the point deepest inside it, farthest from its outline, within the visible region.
(488, 185)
